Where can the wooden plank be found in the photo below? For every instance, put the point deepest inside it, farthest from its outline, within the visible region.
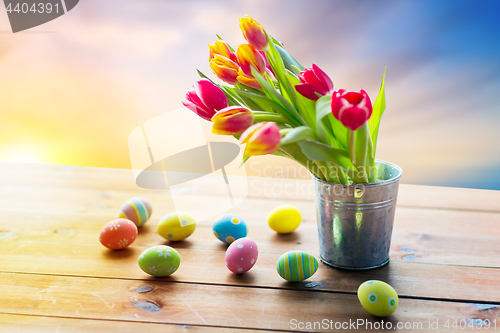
(208, 267)
(14, 323)
(284, 189)
(194, 304)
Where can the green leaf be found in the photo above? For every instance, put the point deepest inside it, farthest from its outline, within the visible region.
(361, 136)
(287, 110)
(266, 103)
(323, 109)
(378, 110)
(289, 62)
(320, 152)
(231, 96)
(278, 67)
(298, 134)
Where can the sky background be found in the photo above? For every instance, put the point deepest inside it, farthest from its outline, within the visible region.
(72, 90)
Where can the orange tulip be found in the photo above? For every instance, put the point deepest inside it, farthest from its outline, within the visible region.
(221, 48)
(232, 120)
(248, 81)
(254, 33)
(249, 57)
(225, 69)
(261, 139)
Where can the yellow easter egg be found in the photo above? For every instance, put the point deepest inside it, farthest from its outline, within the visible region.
(284, 219)
(378, 298)
(176, 226)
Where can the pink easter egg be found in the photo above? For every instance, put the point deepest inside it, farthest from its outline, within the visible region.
(118, 234)
(241, 255)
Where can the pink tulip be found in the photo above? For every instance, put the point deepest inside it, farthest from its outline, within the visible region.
(261, 139)
(254, 33)
(352, 109)
(314, 80)
(205, 99)
(232, 120)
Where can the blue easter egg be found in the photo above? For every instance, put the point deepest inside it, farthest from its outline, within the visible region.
(229, 227)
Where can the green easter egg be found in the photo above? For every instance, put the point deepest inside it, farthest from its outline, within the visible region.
(295, 266)
(159, 260)
(378, 298)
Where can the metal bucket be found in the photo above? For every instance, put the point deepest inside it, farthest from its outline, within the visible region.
(355, 221)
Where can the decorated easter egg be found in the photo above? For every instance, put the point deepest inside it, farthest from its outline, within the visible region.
(118, 234)
(137, 210)
(229, 227)
(378, 298)
(284, 219)
(159, 260)
(176, 226)
(295, 266)
(241, 255)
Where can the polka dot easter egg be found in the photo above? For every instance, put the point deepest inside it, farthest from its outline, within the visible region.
(284, 219)
(378, 298)
(159, 260)
(241, 255)
(176, 226)
(229, 227)
(118, 234)
(137, 210)
(295, 266)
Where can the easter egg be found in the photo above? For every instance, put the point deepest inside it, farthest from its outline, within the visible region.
(378, 298)
(241, 255)
(229, 227)
(137, 210)
(295, 266)
(284, 219)
(159, 260)
(176, 226)
(118, 234)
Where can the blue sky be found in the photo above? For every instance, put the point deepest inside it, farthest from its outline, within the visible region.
(105, 69)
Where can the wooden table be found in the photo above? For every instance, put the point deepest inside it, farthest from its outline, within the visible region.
(57, 277)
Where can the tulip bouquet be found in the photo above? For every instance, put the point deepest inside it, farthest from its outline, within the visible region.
(274, 105)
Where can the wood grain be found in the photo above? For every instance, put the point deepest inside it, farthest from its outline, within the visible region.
(55, 276)
(208, 267)
(15, 323)
(196, 304)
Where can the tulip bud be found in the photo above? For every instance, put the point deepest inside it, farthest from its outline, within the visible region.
(261, 139)
(248, 56)
(352, 109)
(314, 80)
(248, 81)
(232, 120)
(205, 99)
(220, 48)
(225, 69)
(254, 33)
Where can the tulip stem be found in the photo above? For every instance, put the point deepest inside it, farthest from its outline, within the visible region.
(270, 117)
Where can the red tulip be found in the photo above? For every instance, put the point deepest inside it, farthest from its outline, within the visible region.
(232, 120)
(205, 99)
(314, 80)
(261, 139)
(352, 109)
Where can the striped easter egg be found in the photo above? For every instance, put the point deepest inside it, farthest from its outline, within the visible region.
(137, 210)
(295, 266)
